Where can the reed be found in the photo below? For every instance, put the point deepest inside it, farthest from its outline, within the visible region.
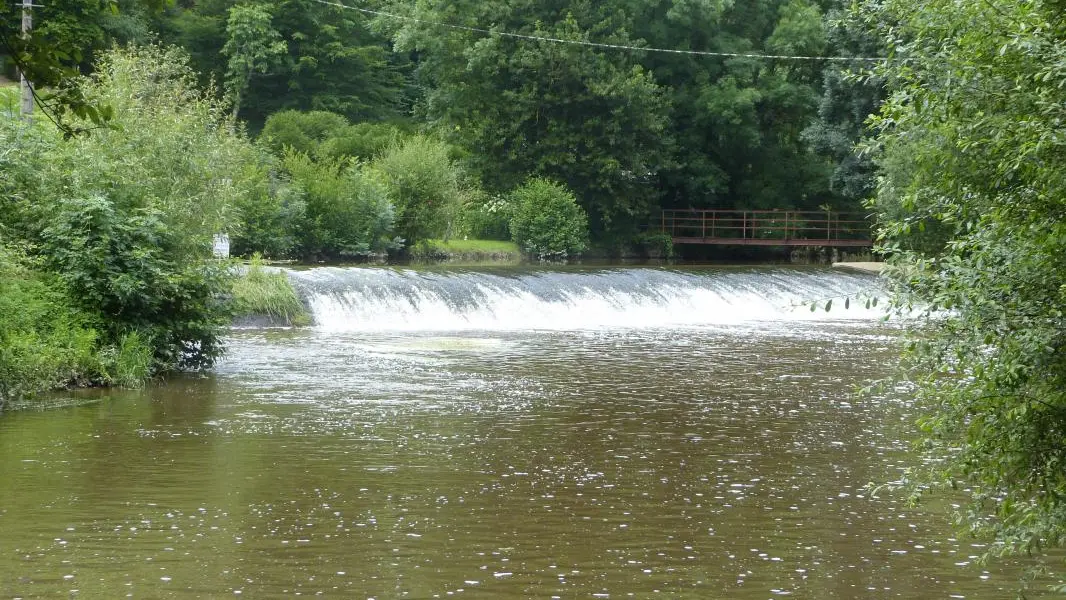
(259, 291)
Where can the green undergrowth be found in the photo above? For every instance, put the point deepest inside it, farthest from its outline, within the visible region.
(47, 343)
(496, 251)
(259, 292)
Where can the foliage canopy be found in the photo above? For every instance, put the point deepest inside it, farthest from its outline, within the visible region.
(972, 200)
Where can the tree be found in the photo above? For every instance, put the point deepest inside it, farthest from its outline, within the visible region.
(424, 184)
(124, 217)
(850, 95)
(972, 201)
(62, 45)
(252, 45)
(332, 60)
(591, 118)
(737, 121)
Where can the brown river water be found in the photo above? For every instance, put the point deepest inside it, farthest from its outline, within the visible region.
(628, 433)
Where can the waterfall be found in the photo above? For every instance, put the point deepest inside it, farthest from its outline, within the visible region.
(377, 299)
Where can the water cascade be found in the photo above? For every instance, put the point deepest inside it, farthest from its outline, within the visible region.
(376, 299)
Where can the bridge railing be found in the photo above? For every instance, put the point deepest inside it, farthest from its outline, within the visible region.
(723, 226)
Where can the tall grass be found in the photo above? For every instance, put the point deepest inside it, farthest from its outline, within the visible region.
(268, 293)
(133, 360)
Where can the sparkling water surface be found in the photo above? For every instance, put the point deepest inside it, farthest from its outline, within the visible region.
(483, 444)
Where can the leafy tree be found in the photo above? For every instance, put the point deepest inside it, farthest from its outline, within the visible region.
(737, 121)
(588, 117)
(850, 95)
(62, 45)
(332, 60)
(547, 222)
(125, 217)
(252, 45)
(971, 145)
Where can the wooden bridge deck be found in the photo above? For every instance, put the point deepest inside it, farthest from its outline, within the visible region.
(766, 228)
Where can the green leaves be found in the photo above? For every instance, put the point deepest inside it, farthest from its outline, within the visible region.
(547, 223)
(591, 118)
(124, 217)
(971, 204)
(252, 45)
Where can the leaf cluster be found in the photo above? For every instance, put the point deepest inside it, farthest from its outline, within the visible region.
(971, 203)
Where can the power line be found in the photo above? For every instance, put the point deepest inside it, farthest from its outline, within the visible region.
(537, 38)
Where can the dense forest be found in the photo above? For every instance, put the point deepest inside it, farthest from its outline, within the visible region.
(626, 130)
(312, 130)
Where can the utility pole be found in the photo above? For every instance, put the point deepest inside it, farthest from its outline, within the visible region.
(25, 85)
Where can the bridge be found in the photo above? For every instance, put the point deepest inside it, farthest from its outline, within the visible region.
(766, 227)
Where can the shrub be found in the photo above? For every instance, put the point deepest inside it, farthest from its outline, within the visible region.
(300, 131)
(124, 217)
(424, 185)
(128, 267)
(133, 361)
(348, 208)
(272, 219)
(366, 141)
(485, 218)
(44, 341)
(547, 223)
(656, 244)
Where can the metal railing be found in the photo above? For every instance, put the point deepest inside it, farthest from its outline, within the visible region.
(766, 227)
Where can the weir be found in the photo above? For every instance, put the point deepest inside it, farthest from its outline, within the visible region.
(381, 299)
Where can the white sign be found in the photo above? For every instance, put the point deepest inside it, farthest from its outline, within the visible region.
(221, 245)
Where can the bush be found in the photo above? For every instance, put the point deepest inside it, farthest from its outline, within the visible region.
(656, 244)
(44, 342)
(128, 268)
(272, 219)
(125, 216)
(424, 185)
(366, 141)
(548, 224)
(348, 209)
(485, 218)
(300, 131)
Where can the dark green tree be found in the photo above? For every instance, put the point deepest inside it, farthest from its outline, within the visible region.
(589, 117)
(332, 60)
(252, 47)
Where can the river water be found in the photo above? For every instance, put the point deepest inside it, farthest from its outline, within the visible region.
(499, 434)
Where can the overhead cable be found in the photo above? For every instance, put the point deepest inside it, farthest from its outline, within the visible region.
(538, 38)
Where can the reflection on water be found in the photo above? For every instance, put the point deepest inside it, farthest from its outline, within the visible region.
(711, 462)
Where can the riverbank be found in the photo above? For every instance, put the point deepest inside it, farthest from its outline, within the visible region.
(467, 251)
(865, 267)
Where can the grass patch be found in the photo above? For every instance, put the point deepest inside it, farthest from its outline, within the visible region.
(471, 246)
(467, 251)
(259, 292)
(10, 100)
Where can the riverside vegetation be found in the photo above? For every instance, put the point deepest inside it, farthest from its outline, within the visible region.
(375, 135)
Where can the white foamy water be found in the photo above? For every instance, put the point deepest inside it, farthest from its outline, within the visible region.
(377, 299)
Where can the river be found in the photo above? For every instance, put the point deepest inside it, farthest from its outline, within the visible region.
(581, 433)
